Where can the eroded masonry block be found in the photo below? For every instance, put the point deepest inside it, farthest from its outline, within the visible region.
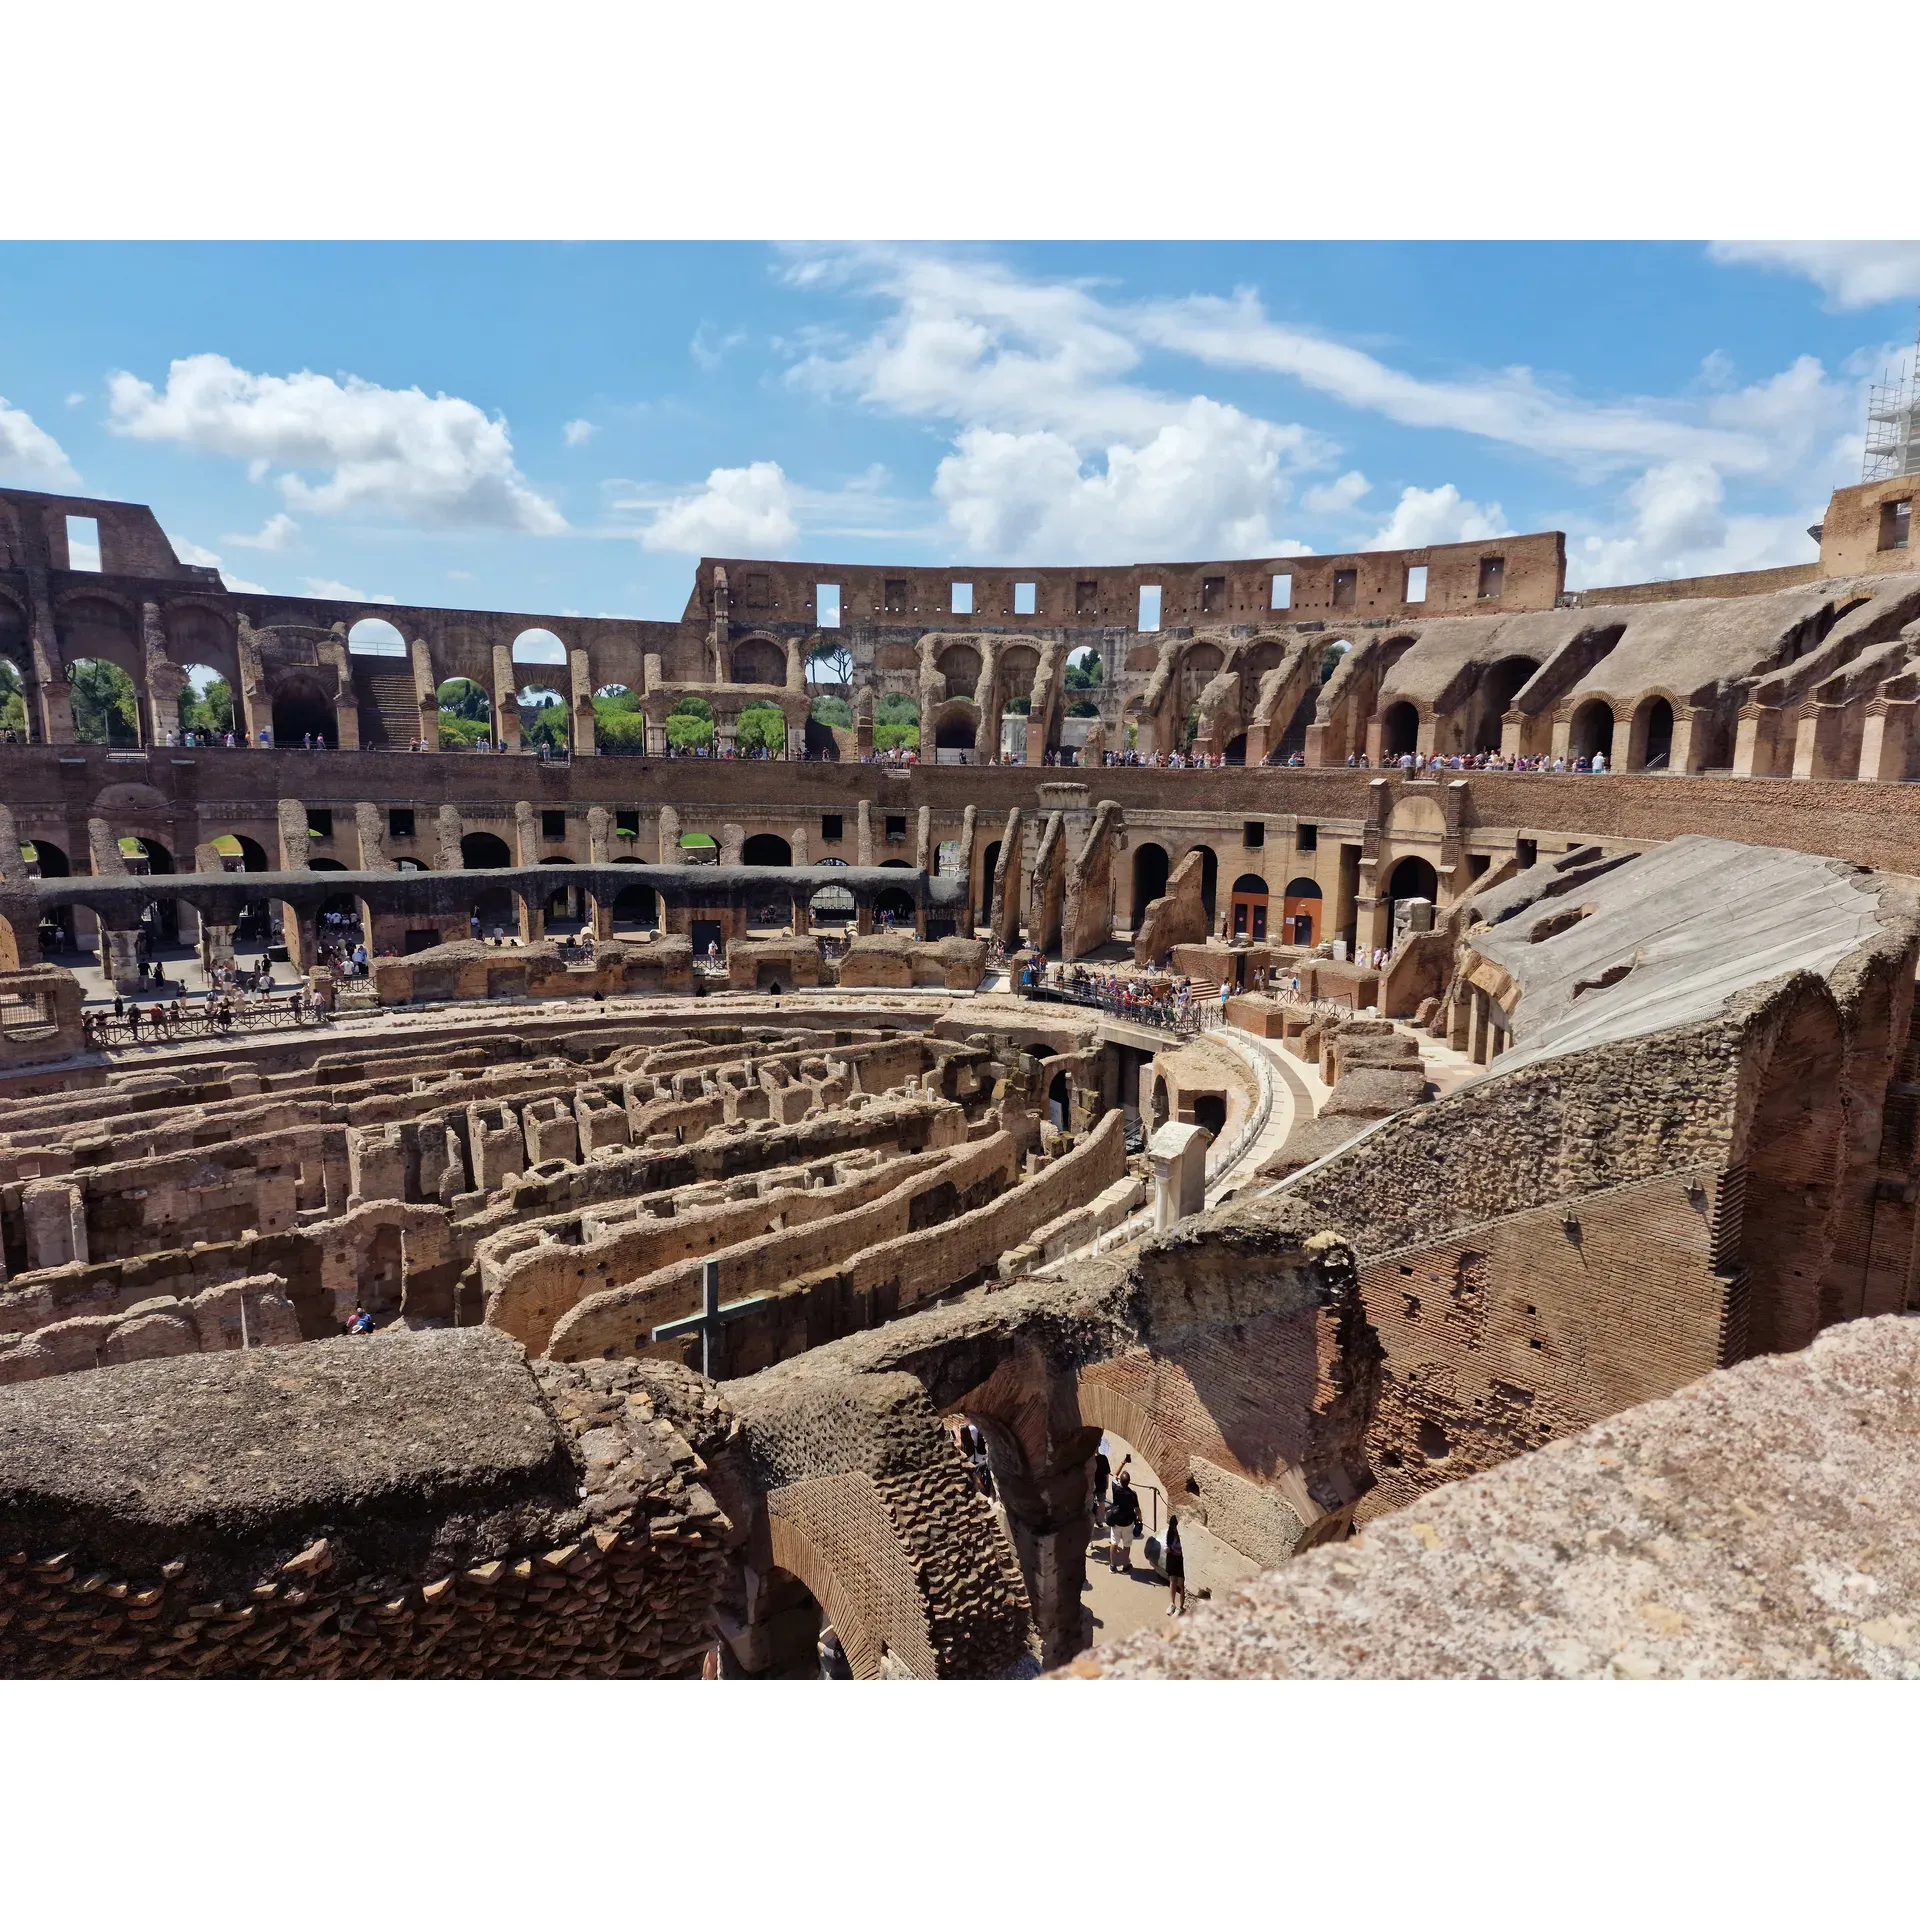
(601, 1123)
(377, 1160)
(56, 1215)
(551, 1131)
(498, 1146)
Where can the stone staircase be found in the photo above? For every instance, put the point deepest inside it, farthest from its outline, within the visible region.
(389, 710)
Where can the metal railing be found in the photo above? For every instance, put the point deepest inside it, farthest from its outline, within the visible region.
(171, 1020)
(1168, 1015)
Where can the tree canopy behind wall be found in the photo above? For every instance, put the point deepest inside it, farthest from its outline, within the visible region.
(13, 699)
(104, 714)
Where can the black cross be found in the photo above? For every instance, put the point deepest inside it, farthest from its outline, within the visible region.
(711, 1321)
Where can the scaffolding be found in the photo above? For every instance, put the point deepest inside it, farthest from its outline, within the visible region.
(1893, 423)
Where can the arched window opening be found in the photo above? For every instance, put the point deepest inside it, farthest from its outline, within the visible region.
(1237, 750)
(1504, 679)
(1400, 728)
(303, 715)
(106, 711)
(759, 663)
(1209, 883)
(766, 850)
(960, 672)
(466, 715)
(635, 909)
(1656, 728)
(1149, 878)
(894, 909)
(955, 735)
(380, 639)
(338, 927)
(619, 724)
(206, 709)
(1060, 1101)
(831, 906)
(495, 915)
(536, 647)
(699, 850)
(1592, 730)
(543, 720)
(1210, 1111)
(1413, 879)
(760, 733)
(484, 850)
(689, 725)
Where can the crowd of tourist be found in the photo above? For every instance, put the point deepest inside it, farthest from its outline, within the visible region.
(1155, 999)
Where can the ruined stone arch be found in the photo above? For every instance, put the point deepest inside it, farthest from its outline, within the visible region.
(1399, 729)
(1650, 732)
(302, 705)
(757, 661)
(853, 1577)
(1591, 729)
(958, 664)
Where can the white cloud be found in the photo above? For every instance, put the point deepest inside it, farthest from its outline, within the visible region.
(1056, 453)
(739, 510)
(709, 347)
(275, 537)
(1511, 406)
(1207, 482)
(436, 461)
(76, 399)
(455, 573)
(577, 433)
(1851, 273)
(1677, 525)
(339, 590)
(1339, 496)
(1434, 516)
(29, 453)
(199, 556)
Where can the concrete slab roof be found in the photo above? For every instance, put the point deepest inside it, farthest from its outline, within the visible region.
(1667, 938)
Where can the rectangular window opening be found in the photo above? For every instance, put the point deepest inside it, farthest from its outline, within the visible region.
(826, 605)
(627, 820)
(962, 596)
(399, 823)
(896, 596)
(1346, 586)
(1493, 578)
(1896, 524)
(1282, 591)
(320, 822)
(1306, 837)
(1253, 833)
(83, 543)
(833, 826)
(1026, 596)
(1416, 586)
(553, 823)
(896, 826)
(1149, 610)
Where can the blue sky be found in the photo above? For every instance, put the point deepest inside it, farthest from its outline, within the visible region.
(563, 428)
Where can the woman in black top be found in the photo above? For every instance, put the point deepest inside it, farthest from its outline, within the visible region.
(1175, 1565)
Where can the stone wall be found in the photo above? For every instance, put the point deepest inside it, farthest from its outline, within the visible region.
(1752, 1526)
(399, 1507)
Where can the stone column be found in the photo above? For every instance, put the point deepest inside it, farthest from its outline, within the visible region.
(426, 694)
(583, 719)
(506, 703)
(670, 850)
(122, 958)
(863, 835)
(1178, 1155)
